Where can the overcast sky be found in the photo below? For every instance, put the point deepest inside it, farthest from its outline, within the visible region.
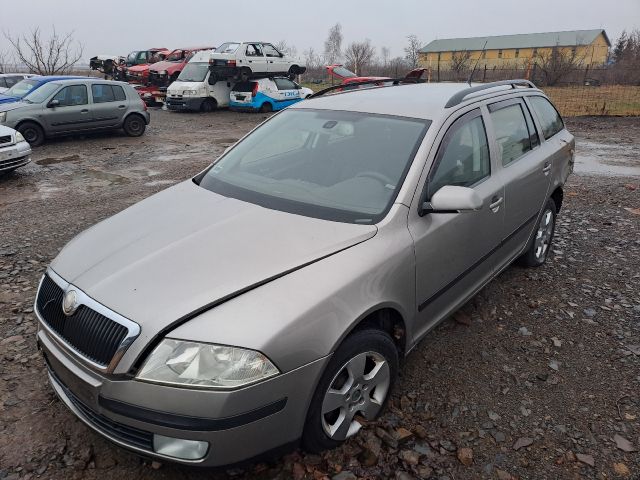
(120, 26)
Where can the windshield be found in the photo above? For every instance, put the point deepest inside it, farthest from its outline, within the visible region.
(343, 72)
(21, 88)
(40, 94)
(176, 56)
(194, 72)
(340, 166)
(229, 47)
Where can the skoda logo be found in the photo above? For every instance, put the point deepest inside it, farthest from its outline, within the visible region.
(69, 302)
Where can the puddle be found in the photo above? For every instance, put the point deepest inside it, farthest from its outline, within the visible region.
(54, 160)
(97, 178)
(608, 159)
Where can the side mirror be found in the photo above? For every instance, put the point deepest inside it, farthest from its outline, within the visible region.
(53, 104)
(453, 199)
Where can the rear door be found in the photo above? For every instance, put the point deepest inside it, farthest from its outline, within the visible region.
(455, 252)
(525, 170)
(72, 113)
(109, 105)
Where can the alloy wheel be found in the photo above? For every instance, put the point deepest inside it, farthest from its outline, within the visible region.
(543, 235)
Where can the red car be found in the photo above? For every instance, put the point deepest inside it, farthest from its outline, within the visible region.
(138, 62)
(346, 76)
(163, 73)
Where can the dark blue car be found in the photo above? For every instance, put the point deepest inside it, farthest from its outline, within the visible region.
(27, 86)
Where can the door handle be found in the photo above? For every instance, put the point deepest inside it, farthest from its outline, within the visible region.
(547, 168)
(122, 107)
(84, 111)
(495, 203)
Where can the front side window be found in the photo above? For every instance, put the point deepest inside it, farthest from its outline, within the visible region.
(270, 51)
(463, 156)
(511, 132)
(547, 114)
(284, 84)
(72, 95)
(339, 166)
(254, 50)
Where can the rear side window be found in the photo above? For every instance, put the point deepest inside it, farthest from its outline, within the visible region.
(107, 93)
(244, 87)
(512, 133)
(547, 114)
(463, 156)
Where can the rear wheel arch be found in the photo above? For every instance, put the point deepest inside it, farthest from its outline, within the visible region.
(557, 196)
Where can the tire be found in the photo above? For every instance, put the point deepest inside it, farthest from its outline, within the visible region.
(32, 133)
(540, 243)
(134, 125)
(244, 74)
(372, 358)
(209, 105)
(266, 107)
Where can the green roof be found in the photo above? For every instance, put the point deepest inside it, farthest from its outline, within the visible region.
(523, 40)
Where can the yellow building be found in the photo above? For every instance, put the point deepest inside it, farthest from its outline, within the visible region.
(589, 47)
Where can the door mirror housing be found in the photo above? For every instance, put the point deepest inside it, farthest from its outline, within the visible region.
(53, 104)
(453, 199)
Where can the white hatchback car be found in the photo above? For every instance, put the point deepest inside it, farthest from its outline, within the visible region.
(267, 94)
(244, 60)
(14, 150)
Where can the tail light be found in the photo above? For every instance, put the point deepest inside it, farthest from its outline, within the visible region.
(231, 63)
(254, 90)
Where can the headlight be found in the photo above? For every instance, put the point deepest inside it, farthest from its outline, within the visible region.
(3, 116)
(180, 362)
(190, 92)
(19, 138)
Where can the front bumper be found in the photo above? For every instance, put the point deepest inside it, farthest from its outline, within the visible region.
(19, 154)
(236, 425)
(184, 103)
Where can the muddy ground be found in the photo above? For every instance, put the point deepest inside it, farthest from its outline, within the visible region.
(538, 377)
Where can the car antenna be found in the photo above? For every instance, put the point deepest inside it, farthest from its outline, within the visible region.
(477, 61)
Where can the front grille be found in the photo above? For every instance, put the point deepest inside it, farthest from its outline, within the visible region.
(5, 139)
(93, 335)
(13, 163)
(124, 433)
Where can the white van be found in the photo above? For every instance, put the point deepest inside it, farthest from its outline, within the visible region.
(195, 89)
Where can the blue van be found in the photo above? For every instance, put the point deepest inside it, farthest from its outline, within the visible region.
(266, 94)
(24, 87)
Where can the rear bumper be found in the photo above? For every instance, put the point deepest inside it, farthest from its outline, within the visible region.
(234, 425)
(184, 103)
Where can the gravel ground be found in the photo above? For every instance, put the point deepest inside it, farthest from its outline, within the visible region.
(536, 377)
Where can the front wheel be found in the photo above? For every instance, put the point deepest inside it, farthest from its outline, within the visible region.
(540, 244)
(356, 383)
(134, 125)
(209, 105)
(32, 133)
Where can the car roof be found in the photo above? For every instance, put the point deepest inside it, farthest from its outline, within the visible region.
(54, 78)
(421, 100)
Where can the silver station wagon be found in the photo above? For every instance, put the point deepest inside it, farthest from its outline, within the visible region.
(268, 300)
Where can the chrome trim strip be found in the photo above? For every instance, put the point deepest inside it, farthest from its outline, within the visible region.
(82, 298)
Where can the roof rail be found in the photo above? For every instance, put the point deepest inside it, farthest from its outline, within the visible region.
(347, 87)
(460, 96)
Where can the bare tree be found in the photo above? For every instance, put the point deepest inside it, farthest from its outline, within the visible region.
(55, 55)
(385, 55)
(558, 62)
(4, 61)
(460, 61)
(284, 47)
(333, 44)
(359, 55)
(412, 51)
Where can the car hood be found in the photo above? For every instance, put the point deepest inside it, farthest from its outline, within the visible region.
(15, 104)
(7, 99)
(186, 248)
(169, 66)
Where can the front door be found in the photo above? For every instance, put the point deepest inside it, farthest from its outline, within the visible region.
(72, 111)
(525, 169)
(288, 92)
(255, 59)
(456, 252)
(275, 60)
